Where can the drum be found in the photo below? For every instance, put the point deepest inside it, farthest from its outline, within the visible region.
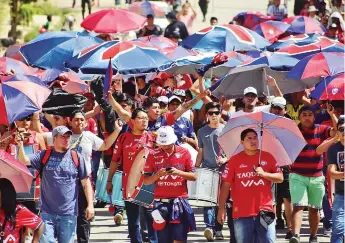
(204, 191)
(101, 187)
(136, 191)
(34, 194)
(191, 150)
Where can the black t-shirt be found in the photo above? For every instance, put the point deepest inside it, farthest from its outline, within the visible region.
(155, 31)
(335, 155)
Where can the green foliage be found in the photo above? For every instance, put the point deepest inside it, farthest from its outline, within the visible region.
(31, 34)
(4, 10)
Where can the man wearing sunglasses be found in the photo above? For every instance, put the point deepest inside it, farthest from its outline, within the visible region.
(210, 156)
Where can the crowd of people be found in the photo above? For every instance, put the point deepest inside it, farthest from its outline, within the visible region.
(161, 123)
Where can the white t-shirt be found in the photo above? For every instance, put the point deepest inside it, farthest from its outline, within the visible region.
(265, 108)
(88, 143)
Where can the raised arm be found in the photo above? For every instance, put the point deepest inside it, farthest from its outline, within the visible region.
(125, 115)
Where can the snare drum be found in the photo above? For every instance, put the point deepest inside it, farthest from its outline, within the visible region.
(136, 191)
(204, 191)
(101, 187)
(34, 194)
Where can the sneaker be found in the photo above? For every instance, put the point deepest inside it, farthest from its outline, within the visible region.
(208, 233)
(218, 235)
(118, 219)
(313, 239)
(288, 235)
(100, 204)
(327, 232)
(294, 239)
(280, 224)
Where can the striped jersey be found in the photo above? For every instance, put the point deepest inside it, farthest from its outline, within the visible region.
(308, 162)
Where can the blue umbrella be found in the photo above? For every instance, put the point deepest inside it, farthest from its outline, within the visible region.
(303, 39)
(276, 135)
(50, 50)
(126, 58)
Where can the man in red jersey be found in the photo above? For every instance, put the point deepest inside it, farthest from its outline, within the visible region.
(170, 167)
(250, 191)
(128, 145)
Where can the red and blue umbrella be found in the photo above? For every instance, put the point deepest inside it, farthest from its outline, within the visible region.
(112, 20)
(251, 18)
(227, 37)
(330, 88)
(293, 39)
(14, 53)
(155, 41)
(304, 25)
(271, 30)
(6, 64)
(20, 96)
(319, 65)
(146, 8)
(50, 50)
(301, 50)
(126, 58)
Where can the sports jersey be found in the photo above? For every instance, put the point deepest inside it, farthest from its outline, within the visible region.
(250, 193)
(126, 149)
(24, 218)
(170, 186)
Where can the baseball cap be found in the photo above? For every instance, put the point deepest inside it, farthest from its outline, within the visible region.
(174, 97)
(308, 108)
(278, 102)
(179, 92)
(61, 130)
(160, 217)
(250, 90)
(166, 136)
(163, 99)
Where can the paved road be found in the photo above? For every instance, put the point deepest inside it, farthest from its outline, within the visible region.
(104, 230)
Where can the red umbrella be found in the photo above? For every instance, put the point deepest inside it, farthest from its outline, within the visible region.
(7, 64)
(113, 20)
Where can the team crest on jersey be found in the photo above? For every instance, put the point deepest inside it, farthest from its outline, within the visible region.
(177, 155)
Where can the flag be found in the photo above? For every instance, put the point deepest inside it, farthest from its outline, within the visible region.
(107, 79)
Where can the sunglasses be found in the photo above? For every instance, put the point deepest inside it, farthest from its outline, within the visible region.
(28, 118)
(341, 129)
(211, 113)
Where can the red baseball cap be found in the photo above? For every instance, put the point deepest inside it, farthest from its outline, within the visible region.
(159, 222)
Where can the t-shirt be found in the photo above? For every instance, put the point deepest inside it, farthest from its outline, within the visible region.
(126, 149)
(170, 186)
(250, 193)
(265, 108)
(183, 127)
(207, 140)
(308, 162)
(293, 112)
(24, 218)
(278, 11)
(88, 143)
(60, 181)
(335, 156)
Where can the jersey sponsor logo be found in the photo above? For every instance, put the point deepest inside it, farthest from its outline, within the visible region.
(178, 155)
(243, 166)
(174, 177)
(246, 175)
(250, 183)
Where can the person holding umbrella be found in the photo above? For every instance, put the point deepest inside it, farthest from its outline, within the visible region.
(14, 217)
(253, 216)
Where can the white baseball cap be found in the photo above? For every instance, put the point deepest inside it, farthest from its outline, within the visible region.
(251, 90)
(166, 136)
(163, 99)
(174, 97)
(279, 101)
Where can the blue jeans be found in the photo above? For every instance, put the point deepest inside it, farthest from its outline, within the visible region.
(132, 211)
(327, 209)
(58, 227)
(338, 219)
(250, 230)
(210, 218)
(96, 157)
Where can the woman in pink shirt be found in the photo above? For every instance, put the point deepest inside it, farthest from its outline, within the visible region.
(187, 17)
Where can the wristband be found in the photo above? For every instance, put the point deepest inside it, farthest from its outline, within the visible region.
(109, 181)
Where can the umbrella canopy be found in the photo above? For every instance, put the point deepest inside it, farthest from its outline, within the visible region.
(20, 96)
(113, 20)
(52, 49)
(330, 88)
(304, 25)
(271, 30)
(301, 50)
(222, 38)
(16, 172)
(251, 18)
(292, 39)
(146, 8)
(179, 52)
(126, 58)
(158, 42)
(317, 66)
(6, 64)
(278, 133)
(14, 53)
